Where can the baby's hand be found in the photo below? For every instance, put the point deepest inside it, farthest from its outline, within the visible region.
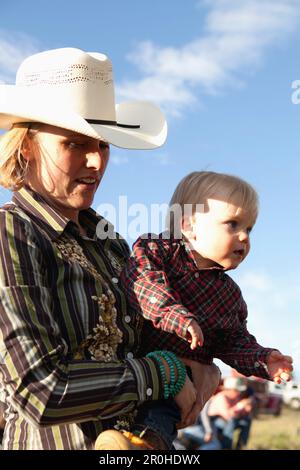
(196, 335)
(279, 366)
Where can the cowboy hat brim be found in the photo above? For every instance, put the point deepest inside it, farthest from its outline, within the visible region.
(18, 104)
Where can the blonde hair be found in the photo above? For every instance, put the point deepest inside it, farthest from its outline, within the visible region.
(13, 166)
(197, 187)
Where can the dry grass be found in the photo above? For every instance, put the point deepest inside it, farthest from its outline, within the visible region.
(276, 433)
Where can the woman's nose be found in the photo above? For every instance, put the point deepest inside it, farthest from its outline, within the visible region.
(96, 160)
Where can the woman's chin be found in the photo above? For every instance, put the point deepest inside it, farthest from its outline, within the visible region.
(83, 201)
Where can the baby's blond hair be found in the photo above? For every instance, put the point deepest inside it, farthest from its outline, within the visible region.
(195, 188)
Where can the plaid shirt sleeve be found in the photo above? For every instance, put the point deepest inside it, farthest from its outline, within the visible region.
(148, 288)
(45, 384)
(242, 352)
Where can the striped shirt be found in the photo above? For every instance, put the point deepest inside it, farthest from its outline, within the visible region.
(165, 286)
(68, 364)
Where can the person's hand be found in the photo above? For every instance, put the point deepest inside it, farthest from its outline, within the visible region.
(279, 366)
(195, 335)
(242, 408)
(206, 379)
(208, 437)
(185, 400)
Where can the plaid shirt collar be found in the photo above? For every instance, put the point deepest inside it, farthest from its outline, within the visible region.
(184, 242)
(49, 218)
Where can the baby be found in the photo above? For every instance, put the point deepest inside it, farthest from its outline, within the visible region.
(178, 280)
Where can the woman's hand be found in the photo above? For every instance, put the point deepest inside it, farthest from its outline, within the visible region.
(185, 400)
(206, 379)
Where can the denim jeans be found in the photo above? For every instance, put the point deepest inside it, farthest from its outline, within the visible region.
(196, 434)
(227, 428)
(160, 416)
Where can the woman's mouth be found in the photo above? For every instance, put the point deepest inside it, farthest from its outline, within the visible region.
(87, 183)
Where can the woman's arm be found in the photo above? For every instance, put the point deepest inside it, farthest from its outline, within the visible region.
(206, 379)
(45, 383)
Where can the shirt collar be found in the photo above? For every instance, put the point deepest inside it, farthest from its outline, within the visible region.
(189, 252)
(49, 218)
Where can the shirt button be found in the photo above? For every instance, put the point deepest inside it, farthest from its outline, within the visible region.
(197, 275)
(149, 392)
(130, 355)
(153, 300)
(256, 364)
(115, 280)
(127, 319)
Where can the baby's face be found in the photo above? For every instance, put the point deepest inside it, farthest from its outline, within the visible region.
(220, 236)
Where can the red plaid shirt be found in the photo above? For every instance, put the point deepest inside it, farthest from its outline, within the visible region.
(164, 284)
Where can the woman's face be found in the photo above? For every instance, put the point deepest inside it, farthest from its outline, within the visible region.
(65, 168)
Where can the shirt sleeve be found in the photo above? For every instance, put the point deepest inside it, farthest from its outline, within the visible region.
(204, 417)
(241, 351)
(44, 383)
(220, 406)
(148, 288)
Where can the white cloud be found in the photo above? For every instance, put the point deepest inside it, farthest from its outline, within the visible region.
(163, 159)
(14, 47)
(256, 281)
(118, 159)
(235, 36)
(273, 304)
(158, 158)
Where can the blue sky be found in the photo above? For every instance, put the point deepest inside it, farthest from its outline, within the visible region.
(222, 70)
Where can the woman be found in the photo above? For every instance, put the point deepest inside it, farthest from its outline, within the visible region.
(68, 342)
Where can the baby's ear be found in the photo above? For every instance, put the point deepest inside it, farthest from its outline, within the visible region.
(188, 226)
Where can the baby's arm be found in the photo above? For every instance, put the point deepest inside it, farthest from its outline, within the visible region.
(279, 366)
(243, 353)
(150, 294)
(239, 349)
(195, 333)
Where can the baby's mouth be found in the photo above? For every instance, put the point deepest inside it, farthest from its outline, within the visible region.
(239, 252)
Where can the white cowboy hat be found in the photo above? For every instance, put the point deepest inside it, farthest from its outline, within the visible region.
(74, 90)
(235, 383)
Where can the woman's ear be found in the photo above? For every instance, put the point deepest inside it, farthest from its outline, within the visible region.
(26, 148)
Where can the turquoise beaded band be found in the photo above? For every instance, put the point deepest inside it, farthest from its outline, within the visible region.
(175, 365)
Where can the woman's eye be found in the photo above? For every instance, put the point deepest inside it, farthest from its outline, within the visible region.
(74, 145)
(103, 146)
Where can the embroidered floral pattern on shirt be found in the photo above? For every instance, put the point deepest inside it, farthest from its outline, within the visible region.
(114, 262)
(125, 422)
(102, 343)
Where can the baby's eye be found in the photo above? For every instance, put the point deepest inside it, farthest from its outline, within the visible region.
(232, 224)
(249, 230)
